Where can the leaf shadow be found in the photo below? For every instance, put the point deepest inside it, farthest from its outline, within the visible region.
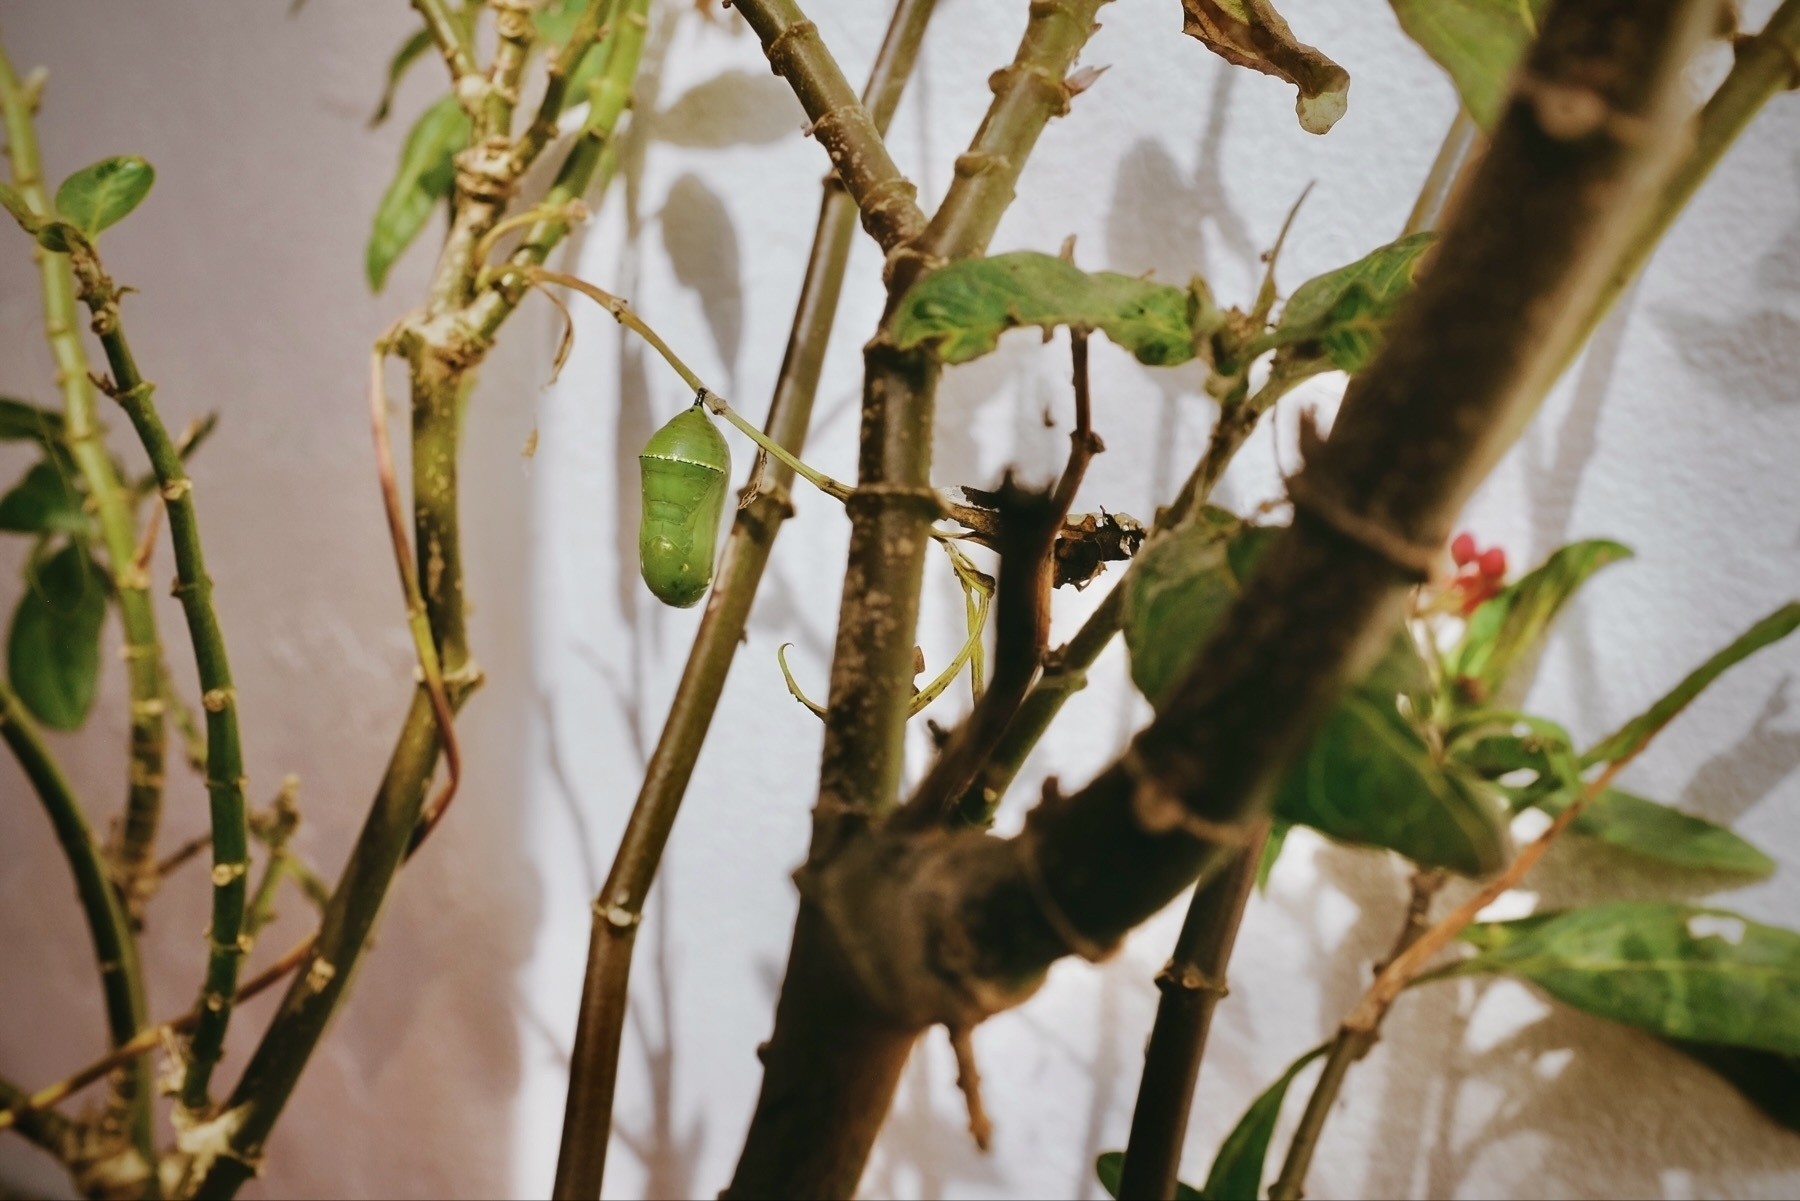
(734, 108)
(702, 245)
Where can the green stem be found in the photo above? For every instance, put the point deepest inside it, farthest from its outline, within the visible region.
(1459, 146)
(142, 651)
(224, 752)
(848, 131)
(588, 28)
(464, 314)
(45, 1127)
(452, 39)
(515, 33)
(121, 982)
(587, 1120)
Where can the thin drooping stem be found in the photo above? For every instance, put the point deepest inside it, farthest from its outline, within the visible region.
(47, 1128)
(142, 651)
(442, 345)
(1191, 987)
(149, 1039)
(835, 1056)
(914, 931)
(1348, 1047)
(121, 983)
(847, 130)
(618, 909)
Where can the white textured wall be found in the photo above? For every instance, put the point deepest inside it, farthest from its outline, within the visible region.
(445, 1075)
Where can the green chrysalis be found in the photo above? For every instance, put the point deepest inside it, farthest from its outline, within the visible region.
(686, 467)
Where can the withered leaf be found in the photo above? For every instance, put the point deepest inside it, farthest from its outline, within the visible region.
(1250, 33)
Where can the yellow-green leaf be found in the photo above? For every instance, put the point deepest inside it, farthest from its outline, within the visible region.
(22, 421)
(1680, 971)
(1109, 1168)
(1509, 625)
(409, 52)
(1339, 316)
(102, 194)
(962, 309)
(425, 176)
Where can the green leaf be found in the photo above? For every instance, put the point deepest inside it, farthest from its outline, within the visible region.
(1369, 777)
(1677, 970)
(1768, 1081)
(102, 194)
(963, 308)
(1655, 831)
(1176, 591)
(404, 57)
(53, 648)
(1479, 42)
(59, 237)
(1634, 734)
(45, 501)
(426, 173)
(557, 20)
(1238, 1168)
(1250, 33)
(22, 421)
(1109, 1167)
(1340, 314)
(1507, 626)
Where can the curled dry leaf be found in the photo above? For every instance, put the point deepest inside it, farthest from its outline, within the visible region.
(1250, 33)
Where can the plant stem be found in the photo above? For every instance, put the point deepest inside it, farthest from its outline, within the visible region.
(146, 1040)
(1348, 1047)
(452, 39)
(1461, 144)
(587, 1119)
(887, 200)
(588, 28)
(121, 981)
(142, 651)
(951, 927)
(442, 346)
(47, 1128)
(835, 1057)
(1192, 985)
(224, 753)
(514, 33)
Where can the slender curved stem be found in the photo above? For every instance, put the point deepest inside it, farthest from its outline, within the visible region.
(453, 40)
(587, 1119)
(1462, 143)
(108, 927)
(48, 1129)
(589, 28)
(224, 752)
(142, 651)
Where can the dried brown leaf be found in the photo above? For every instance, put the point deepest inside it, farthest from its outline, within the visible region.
(1250, 33)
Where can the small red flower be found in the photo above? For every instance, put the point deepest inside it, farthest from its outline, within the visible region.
(1462, 551)
(1480, 573)
(1493, 563)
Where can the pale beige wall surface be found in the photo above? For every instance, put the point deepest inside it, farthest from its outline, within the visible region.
(1677, 435)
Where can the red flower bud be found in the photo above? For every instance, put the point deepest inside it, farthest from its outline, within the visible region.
(1493, 563)
(1462, 551)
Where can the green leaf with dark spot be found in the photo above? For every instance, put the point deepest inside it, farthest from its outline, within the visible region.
(22, 421)
(1479, 42)
(1340, 315)
(1369, 777)
(1510, 624)
(1250, 33)
(1677, 970)
(425, 176)
(102, 194)
(1768, 1081)
(962, 309)
(1109, 1167)
(1631, 738)
(404, 57)
(1237, 1170)
(53, 648)
(45, 501)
